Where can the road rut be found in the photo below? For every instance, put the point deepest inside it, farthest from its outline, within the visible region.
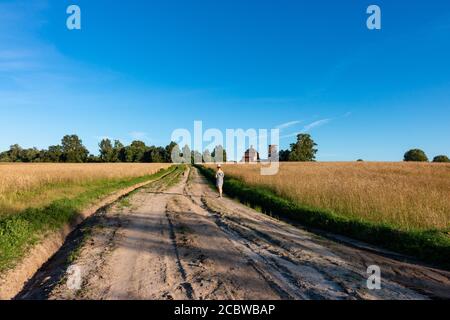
(176, 240)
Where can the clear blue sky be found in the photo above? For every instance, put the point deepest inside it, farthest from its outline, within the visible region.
(140, 69)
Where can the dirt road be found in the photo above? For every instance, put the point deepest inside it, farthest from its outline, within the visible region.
(176, 240)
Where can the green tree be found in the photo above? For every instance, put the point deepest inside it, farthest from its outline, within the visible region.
(73, 149)
(53, 154)
(304, 149)
(148, 155)
(4, 157)
(159, 155)
(29, 155)
(94, 159)
(441, 158)
(14, 153)
(117, 149)
(106, 150)
(168, 151)
(284, 155)
(122, 155)
(415, 155)
(135, 152)
(154, 155)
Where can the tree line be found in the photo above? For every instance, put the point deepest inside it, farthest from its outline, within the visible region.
(72, 150)
(417, 155)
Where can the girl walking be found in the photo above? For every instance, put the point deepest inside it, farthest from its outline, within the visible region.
(220, 176)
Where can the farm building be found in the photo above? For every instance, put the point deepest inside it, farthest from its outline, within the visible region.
(251, 155)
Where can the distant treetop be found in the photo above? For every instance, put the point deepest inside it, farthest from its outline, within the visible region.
(415, 155)
(441, 158)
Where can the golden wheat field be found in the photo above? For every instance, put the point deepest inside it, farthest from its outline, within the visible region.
(28, 185)
(408, 195)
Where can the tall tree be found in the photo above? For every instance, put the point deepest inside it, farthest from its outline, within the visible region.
(304, 149)
(14, 152)
(73, 149)
(135, 152)
(117, 149)
(106, 150)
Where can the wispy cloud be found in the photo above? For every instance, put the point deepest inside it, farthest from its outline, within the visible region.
(316, 124)
(309, 127)
(286, 125)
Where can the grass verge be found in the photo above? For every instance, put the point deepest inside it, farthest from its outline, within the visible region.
(432, 246)
(18, 232)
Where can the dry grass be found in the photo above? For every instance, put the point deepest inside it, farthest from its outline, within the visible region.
(407, 195)
(32, 185)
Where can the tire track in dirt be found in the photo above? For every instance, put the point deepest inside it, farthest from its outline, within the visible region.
(177, 240)
(316, 260)
(187, 286)
(277, 270)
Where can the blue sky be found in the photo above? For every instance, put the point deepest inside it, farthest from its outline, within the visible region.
(140, 69)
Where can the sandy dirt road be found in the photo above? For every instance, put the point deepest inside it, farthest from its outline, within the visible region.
(176, 240)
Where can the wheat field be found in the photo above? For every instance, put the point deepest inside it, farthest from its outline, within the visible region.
(33, 185)
(407, 195)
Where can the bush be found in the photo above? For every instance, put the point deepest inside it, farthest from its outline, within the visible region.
(416, 155)
(441, 159)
